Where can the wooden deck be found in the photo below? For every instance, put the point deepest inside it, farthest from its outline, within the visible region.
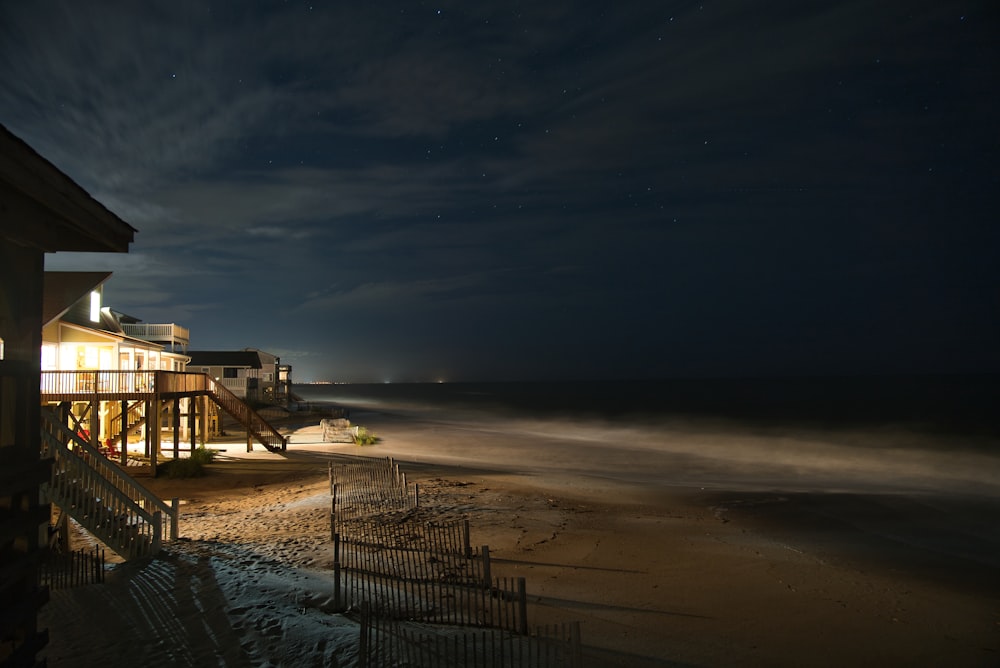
(123, 385)
(98, 386)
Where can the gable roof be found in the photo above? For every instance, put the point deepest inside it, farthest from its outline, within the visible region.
(62, 289)
(232, 358)
(59, 214)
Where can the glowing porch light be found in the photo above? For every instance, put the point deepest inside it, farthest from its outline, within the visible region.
(95, 306)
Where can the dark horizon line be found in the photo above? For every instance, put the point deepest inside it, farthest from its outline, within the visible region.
(924, 375)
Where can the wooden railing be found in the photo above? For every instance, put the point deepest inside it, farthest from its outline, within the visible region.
(181, 382)
(256, 425)
(98, 382)
(102, 497)
(136, 416)
(237, 386)
(111, 384)
(150, 331)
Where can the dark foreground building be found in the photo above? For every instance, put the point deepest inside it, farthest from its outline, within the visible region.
(41, 211)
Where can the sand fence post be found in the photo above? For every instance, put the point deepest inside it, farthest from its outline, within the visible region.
(333, 511)
(330, 475)
(336, 571)
(487, 579)
(522, 604)
(576, 655)
(363, 640)
(467, 540)
(416, 495)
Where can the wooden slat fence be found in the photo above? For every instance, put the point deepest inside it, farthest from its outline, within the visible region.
(402, 573)
(72, 569)
(432, 586)
(387, 642)
(367, 485)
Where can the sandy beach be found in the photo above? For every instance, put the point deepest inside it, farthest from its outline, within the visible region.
(664, 560)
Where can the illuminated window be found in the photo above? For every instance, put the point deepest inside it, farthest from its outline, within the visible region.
(95, 306)
(48, 356)
(1, 348)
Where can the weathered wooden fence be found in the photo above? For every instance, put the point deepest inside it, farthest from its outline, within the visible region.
(387, 642)
(401, 582)
(71, 569)
(404, 574)
(368, 485)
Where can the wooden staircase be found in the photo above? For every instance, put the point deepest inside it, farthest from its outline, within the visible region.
(101, 496)
(135, 418)
(252, 421)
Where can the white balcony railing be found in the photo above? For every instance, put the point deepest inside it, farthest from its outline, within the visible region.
(237, 386)
(169, 333)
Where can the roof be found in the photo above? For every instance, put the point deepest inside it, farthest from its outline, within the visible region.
(57, 214)
(232, 358)
(62, 289)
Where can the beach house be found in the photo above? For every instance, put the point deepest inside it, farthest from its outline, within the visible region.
(83, 340)
(124, 385)
(252, 374)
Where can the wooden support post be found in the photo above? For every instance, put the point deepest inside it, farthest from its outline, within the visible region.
(191, 402)
(204, 419)
(153, 426)
(176, 425)
(95, 418)
(123, 446)
(146, 429)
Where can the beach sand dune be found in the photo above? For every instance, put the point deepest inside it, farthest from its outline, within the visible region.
(658, 573)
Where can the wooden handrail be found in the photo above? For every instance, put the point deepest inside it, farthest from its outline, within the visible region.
(97, 382)
(136, 416)
(261, 429)
(105, 497)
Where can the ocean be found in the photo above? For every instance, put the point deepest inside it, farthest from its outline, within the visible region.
(955, 404)
(922, 434)
(906, 460)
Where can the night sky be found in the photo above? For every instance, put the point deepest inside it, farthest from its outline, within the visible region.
(537, 190)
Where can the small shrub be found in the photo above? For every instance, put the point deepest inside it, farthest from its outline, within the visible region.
(364, 437)
(190, 467)
(203, 455)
